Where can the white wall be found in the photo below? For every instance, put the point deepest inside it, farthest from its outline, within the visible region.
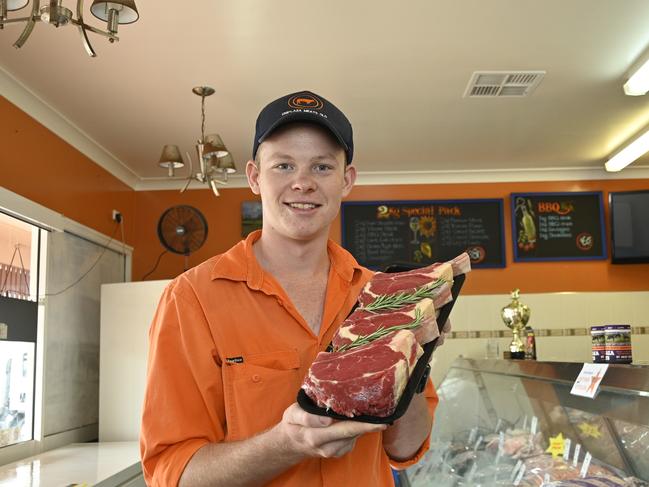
(126, 313)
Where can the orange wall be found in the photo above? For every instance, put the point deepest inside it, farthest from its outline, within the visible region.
(37, 164)
(223, 215)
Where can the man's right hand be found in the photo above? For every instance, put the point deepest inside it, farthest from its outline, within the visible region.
(319, 436)
(257, 460)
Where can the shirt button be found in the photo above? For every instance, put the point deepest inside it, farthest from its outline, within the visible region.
(256, 378)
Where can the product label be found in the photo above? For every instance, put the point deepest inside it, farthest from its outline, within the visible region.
(618, 344)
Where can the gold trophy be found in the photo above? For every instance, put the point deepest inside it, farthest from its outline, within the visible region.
(516, 315)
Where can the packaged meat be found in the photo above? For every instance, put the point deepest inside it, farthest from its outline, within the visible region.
(341, 380)
(366, 380)
(517, 443)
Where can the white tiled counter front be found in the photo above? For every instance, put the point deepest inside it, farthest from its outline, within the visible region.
(84, 464)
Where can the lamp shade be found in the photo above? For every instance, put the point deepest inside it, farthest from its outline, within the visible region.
(126, 8)
(16, 4)
(171, 156)
(225, 164)
(171, 159)
(213, 146)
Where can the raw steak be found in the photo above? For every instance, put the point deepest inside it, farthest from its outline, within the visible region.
(364, 380)
(362, 322)
(408, 282)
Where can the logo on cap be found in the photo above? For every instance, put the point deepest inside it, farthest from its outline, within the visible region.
(305, 101)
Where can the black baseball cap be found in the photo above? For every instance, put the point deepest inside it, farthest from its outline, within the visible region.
(304, 106)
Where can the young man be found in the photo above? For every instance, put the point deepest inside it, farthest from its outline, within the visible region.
(233, 338)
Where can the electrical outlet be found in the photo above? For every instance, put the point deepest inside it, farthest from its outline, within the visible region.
(117, 216)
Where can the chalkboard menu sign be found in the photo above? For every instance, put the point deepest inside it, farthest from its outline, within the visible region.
(418, 233)
(558, 226)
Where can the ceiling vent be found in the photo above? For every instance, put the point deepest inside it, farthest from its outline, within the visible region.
(502, 83)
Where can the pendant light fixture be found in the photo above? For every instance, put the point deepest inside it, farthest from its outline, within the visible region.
(53, 12)
(215, 163)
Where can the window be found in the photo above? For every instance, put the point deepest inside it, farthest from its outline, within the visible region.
(19, 267)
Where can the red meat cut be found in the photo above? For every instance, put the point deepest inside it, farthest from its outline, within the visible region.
(362, 322)
(366, 380)
(408, 282)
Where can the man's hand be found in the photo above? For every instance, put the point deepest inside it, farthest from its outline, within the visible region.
(259, 459)
(445, 331)
(318, 436)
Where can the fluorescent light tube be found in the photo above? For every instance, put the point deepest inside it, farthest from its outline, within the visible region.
(638, 83)
(630, 153)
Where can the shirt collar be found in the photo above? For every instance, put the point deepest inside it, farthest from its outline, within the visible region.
(240, 264)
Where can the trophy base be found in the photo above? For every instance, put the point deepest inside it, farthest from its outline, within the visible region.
(517, 355)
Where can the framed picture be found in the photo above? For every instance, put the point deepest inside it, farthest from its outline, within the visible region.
(251, 217)
(558, 226)
(418, 233)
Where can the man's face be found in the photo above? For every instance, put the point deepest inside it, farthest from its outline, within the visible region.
(302, 177)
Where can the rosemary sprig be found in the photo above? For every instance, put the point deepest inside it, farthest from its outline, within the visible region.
(398, 300)
(380, 333)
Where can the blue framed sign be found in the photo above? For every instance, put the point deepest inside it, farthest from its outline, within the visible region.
(558, 226)
(418, 233)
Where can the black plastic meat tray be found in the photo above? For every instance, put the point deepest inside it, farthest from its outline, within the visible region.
(416, 382)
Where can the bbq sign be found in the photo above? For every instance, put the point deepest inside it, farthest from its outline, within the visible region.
(418, 233)
(558, 226)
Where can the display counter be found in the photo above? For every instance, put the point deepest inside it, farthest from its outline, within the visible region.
(508, 422)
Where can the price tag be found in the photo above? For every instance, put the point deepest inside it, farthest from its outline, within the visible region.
(589, 429)
(575, 459)
(519, 477)
(517, 467)
(472, 435)
(585, 465)
(588, 380)
(498, 425)
(534, 425)
(556, 446)
(566, 449)
(478, 443)
(546, 478)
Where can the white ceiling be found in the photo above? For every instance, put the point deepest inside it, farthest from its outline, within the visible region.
(398, 70)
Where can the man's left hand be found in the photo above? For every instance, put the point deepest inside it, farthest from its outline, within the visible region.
(445, 331)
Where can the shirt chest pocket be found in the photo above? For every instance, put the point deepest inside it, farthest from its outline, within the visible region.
(257, 391)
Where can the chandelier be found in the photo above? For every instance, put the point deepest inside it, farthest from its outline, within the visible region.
(53, 12)
(215, 161)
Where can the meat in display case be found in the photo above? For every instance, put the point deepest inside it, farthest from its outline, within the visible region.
(514, 422)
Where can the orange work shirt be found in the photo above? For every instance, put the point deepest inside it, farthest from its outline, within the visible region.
(228, 353)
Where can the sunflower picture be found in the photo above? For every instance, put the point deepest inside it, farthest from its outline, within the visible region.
(427, 226)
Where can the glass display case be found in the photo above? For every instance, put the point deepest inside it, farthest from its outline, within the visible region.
(510, 422)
